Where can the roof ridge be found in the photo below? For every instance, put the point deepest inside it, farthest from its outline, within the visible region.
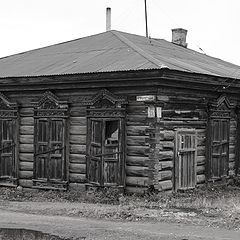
(139, 50)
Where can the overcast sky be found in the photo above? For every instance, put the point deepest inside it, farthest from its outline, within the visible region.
(213, 25)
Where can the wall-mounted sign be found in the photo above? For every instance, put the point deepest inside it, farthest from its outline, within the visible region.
(151, 112)
(147, 98)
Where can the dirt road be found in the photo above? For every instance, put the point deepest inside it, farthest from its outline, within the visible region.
(85, 228)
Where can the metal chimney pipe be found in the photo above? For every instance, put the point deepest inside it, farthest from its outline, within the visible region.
(108, 19)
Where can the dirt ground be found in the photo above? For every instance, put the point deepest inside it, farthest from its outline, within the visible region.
(67, 220)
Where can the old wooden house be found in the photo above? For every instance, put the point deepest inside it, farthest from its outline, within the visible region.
(118, 110)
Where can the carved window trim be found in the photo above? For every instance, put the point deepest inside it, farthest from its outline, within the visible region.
(9, 112)
(49, 109)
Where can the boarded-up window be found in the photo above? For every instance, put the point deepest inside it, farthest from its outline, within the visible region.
(185, 159)
(219, 147)
(7, 147)
(50, 143)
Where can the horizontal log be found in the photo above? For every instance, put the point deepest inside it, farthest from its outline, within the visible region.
(166, 155)
(201, 160)
(26, 166)
(189, 114)
(201, 151)
(136, 130)
(137, 171)
(78, 121)
(137, 161)
(27, 121)
(137, 181)
(27, 130)
(137, 150)
(136, 119)
(136, 140)
(164, 185)
(26, 112)
(164, 175)
(137, 109)
(78, 130)
(26, 157)
(201, 178)
(231, 165)
(77, 158)
(25, 183)
(78, 139)
(201, 141)
(165, 165)
(25, 174)
(26, 148)
(77, 168)
(77, 149)
(169, 124)
(78, 112)
(232, 157)
(167, 145)
(200, 169)
(167, 135)
(77, 178)
(26, 139)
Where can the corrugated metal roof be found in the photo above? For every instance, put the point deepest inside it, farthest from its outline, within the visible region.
(113, 51)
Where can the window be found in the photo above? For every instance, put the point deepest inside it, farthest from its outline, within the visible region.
(218, 138)
(219, 148)
(50, 143)
(8, 141)
(185, 159)
(105, 140)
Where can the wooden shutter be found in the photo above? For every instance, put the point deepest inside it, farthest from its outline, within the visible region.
(7, 147)
(42, 149)
(219, 147)
(185, 160)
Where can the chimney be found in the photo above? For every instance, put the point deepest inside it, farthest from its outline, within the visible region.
(179, 36)
(108, 19)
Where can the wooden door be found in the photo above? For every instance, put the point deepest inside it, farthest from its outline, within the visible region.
(105, 154)
(185, 159)
(219, 147)
(49, 156)
(7, 147)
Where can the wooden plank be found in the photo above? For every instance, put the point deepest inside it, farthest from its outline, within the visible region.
(77, 158)
(26, 166)
(26, 157)
(26, 130)
(77, 178)
(77, 149)
(27, 121)
(78, 112)
(78, 130)
(77, 168)
(26, 139)
(26, 148)
(137, 171)
(78, 139)
(167, 145)
(137, 161)
(137, 181)
(200, 169)
(164, 165)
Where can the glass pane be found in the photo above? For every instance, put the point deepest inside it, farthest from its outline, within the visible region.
(111, 132)
(224, 130)
(96, 132)
(6, 130)
(216, 131)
